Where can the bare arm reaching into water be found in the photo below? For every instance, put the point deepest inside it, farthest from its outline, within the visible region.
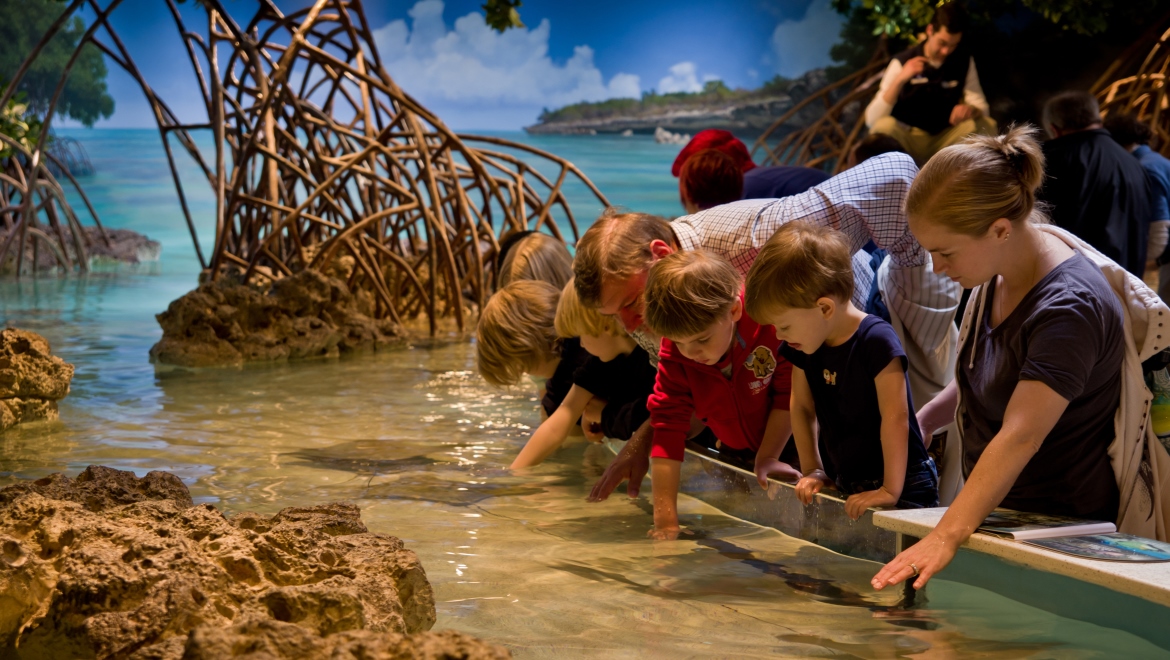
(665, 480)
(553, 431)
(632, 463)
(1032, 412)
(776, 433)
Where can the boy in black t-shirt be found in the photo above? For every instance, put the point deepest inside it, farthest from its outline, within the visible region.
(848, 376)
(609, 390)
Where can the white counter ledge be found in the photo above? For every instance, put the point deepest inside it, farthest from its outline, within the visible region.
(1150, 581)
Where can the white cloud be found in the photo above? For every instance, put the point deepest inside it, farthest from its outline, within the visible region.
(474, 77)
(682, 78)
(799, 46)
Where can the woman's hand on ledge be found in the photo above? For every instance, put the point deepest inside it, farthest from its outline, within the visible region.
(919, 562)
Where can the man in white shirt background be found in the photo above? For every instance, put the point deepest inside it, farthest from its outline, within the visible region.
(930, 96)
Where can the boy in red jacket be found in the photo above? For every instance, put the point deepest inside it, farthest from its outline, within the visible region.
(717, 363)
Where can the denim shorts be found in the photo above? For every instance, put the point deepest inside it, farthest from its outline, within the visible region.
(919, 491)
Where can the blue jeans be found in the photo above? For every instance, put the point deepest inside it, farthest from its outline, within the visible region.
(919, 491)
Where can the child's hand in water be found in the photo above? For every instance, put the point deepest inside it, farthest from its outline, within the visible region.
(775, 467)
(810, 485)
(859, 502)
(591, 420)
(664, 533)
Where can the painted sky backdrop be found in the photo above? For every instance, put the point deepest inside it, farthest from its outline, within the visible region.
(442, 53)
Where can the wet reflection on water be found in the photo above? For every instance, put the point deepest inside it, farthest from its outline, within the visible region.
(420, 443)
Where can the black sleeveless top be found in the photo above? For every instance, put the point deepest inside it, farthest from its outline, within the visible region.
(926, 101)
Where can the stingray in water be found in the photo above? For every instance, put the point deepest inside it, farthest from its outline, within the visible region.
(365, 457)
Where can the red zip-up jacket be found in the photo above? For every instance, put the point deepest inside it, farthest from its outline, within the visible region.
(735, 409)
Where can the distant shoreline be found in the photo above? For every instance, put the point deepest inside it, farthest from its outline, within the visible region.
(747, 115)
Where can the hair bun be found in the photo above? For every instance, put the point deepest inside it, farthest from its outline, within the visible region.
(1020, 147)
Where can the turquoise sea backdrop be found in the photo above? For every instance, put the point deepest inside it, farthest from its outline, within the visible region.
(104, 321)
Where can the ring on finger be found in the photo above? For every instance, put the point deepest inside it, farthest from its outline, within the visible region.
(915, 569)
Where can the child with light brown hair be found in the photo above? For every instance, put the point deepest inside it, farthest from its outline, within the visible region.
(609, 391)
(848, 374)
(715, 363)
(535, 256)
(516, 338)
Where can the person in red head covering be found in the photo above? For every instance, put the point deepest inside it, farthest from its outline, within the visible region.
(719, 140)
(709, 178)
(758, 182)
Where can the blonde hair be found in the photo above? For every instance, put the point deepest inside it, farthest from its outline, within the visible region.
(515, 332)
(537, 257)
(575, 320)
(688, 291)
(800, 264)
(968, 186)
(616, 246)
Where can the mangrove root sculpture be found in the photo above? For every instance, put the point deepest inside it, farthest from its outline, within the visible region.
(826, 140)
(1142, 92)
(319, 156)
(37, 224)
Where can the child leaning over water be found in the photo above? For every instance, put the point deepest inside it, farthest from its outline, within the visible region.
(608, 386)
(515, 337)
(717, 363)
(614, 379)
(848, 375)
(619, 375)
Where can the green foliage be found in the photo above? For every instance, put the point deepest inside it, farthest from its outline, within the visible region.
(858, 41)
(16, 123)
(716, 88)
(85, 97)
(889, 17)
(906, 18)
(777, 84)
(501, 15)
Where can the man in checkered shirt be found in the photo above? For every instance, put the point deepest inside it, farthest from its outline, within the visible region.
(865, 203)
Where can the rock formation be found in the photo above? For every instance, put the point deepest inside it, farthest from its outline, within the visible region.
(663, 136)
(123, 246)
(309, 314)
(109, 565)
(32, 380)
(269, 639)
(749, 116)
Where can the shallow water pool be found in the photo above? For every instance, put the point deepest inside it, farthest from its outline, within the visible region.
(420, 443)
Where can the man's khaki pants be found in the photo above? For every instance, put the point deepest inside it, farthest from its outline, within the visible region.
(922, 145)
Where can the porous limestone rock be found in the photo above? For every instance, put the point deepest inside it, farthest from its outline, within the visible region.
(125, 246)
(308, 314)
(111, 565)
(32, 380)
(275, 640)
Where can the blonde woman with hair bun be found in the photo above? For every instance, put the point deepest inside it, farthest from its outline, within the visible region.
(1039, 374)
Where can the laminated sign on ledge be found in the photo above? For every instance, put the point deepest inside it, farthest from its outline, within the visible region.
(1091, 539)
